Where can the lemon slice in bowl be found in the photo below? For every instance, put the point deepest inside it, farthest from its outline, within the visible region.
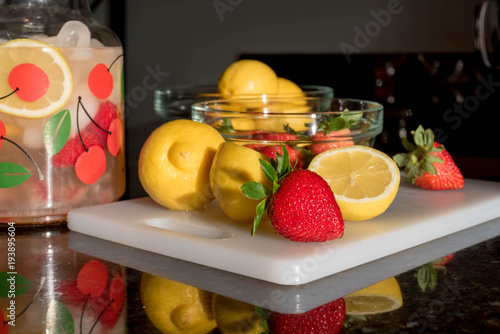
(35, 79)
(381, 297)
(364, 180)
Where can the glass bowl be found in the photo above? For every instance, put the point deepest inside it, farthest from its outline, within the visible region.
(174, 102)
(306, 126)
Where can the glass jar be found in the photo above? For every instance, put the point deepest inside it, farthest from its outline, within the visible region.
(61, 111)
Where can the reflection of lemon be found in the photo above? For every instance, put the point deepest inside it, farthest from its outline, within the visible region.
(246, 77)
(380, 297)
(47, 59)
(233, 316)
(175, 161)
(235, 165)
(175, 308)
(364, 180)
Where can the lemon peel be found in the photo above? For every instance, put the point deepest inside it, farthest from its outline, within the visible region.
(175, 162)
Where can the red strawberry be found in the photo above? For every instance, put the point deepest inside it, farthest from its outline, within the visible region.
(326, 319)
(301, 205)
(304, 208)
(327, 135)
(325, 141)
(318, 148)
(428, 164)
(293, 153)
(275, 136)
(91, 135)
(105, 115)
(68, 155)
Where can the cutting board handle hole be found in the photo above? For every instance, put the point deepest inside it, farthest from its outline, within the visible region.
(190, 229)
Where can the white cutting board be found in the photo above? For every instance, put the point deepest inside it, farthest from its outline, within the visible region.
(209, 238)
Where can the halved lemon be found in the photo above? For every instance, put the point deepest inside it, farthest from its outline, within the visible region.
(364, 180)
(381, 297)
(35, 79)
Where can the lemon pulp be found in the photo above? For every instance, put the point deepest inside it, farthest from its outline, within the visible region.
(381, 297)
(364, 180)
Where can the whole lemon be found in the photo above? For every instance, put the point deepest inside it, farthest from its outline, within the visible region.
(176, 308)
(175, 161)
(233, 166)
(248, 76)
(288, 87)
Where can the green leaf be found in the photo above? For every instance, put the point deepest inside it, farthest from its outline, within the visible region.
(276, 186)
(226, 126)
(429, 168)
(284, 163)
(56, 131)
(12, 174)
(353, 118)
(432, 278)
(262, 315)
(401, 159)
(21, 284)
(254, 190)
(433, 159)
(269, 170)
(419, 137)
(260, 210)
(59, 319)
(429, 135)
(422, 277)
(412, 173)
(337, 124)
(408, 145)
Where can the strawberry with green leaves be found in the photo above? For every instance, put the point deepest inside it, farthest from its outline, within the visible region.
(428, 164)
(301, 206)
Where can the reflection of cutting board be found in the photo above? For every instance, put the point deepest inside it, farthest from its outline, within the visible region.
(209, 238)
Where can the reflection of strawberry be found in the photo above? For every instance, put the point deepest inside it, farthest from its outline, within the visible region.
(4, 325)
(293, 153)
(443, 260)
(91, 136)
(327, 318)
(110, 302)
(427, 274)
